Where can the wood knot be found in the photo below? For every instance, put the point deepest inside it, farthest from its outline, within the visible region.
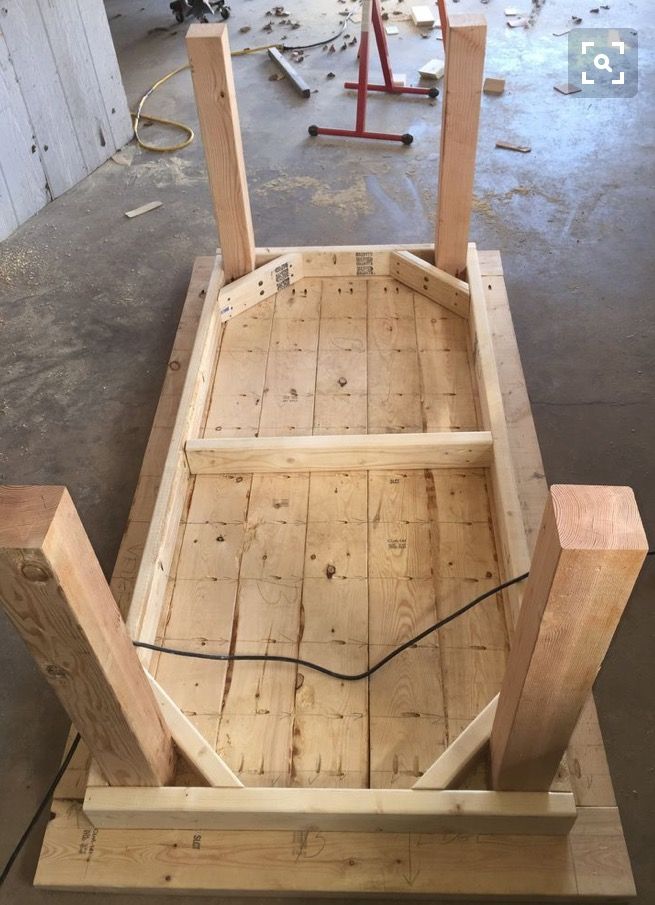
(33, 572)
(56, 672)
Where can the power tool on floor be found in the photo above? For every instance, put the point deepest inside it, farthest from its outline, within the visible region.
(199, 9)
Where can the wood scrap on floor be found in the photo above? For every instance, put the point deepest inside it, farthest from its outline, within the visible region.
(144, 209)
(433, 69)
(493, 86)
(509, 146)
(567, 88)
(422, 17)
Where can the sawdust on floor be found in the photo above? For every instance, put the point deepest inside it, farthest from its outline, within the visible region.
(484, 204)
(166, 170)
(21, 262)
(353, 199)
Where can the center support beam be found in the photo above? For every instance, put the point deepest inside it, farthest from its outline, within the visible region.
(53, 590)
(589, 551)
(364, 452)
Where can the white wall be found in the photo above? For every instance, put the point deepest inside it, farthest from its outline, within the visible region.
(63, 109)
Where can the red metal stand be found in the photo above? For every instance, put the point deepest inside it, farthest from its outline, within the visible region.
(371, 14)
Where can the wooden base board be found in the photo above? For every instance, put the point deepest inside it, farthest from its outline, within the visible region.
(591, 862)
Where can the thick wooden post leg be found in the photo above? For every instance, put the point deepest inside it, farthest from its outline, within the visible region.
(467, 34)
(54, 592)
(213, 83)
(588, 555)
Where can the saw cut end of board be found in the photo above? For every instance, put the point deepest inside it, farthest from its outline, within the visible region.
(591, 517)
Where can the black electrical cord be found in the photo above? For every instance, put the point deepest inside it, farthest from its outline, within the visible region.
(267, 657)
(320, 43)
(42, 806)
(346, 677)
(139, 115)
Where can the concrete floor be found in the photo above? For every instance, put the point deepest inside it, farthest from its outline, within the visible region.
(90, 303)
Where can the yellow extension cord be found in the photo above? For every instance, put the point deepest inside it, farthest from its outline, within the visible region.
(140, 116)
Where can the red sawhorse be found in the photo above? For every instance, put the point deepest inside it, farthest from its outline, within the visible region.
(372, 15)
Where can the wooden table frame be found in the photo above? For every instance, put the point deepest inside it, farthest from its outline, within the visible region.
(591, 862)
(585, 533)
(432, 806)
